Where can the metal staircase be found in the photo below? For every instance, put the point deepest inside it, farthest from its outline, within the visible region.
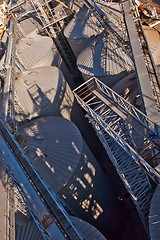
(124, 131)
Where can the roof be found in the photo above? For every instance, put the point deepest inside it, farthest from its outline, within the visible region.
(54, 146)
(103, 57)
(83, 25)
(41, 46)
(45, 82)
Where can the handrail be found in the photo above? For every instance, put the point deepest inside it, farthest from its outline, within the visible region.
(153, 127)
(133, 111)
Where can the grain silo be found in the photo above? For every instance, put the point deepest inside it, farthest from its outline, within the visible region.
(54, 145)
(81, 30)
(35, 52)
(29, 231)
(153, 39)
(28, 27)
(105, 59)
(127, 87)
(113, 16)
(87, 230)
(66, 164)
(42, 91)
(74, 5)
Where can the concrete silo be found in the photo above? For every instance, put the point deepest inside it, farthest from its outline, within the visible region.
(105, 59)
(42, 91)
(66, 164)
(81, 30)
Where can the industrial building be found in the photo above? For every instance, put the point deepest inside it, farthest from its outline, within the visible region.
(79, 120)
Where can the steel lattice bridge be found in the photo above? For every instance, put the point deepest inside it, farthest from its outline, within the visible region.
(130, 138)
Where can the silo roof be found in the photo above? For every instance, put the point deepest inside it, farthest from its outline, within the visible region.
(28, 230)
(54, 146)
(88, 231)
(43, 81)
(103, 57)
(32, 50)
(27, 27)
(114, 16)
(83, 25)
(153, 37)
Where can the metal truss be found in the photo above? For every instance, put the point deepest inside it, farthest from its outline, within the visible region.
(118, 125)
(8, 92)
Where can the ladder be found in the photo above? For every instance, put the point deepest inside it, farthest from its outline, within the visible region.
(38, 97)
(124, 131)
(49, 199)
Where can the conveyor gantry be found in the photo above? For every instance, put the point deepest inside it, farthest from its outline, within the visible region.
(148, 80)
(51, 202)
(7, 111)
(124, 131)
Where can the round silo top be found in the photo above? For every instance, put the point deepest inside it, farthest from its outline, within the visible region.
(83, 25)
(37, 88)
(31, 51)
(103, 57)
(114, 16)
(87, 230)
(28, 28)
(153, 37)
(54, 146)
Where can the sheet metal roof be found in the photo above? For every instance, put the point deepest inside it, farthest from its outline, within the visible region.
(55, 146)
(35, 52)
(83, 25)
(37, 88)
(103, 57)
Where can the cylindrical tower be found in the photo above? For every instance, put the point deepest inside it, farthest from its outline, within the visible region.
(29, 230)
(64, 161)
(104, 59)
(81, 30)
(153, 39)
(35, 52)
(42, 91)
(28, 27)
